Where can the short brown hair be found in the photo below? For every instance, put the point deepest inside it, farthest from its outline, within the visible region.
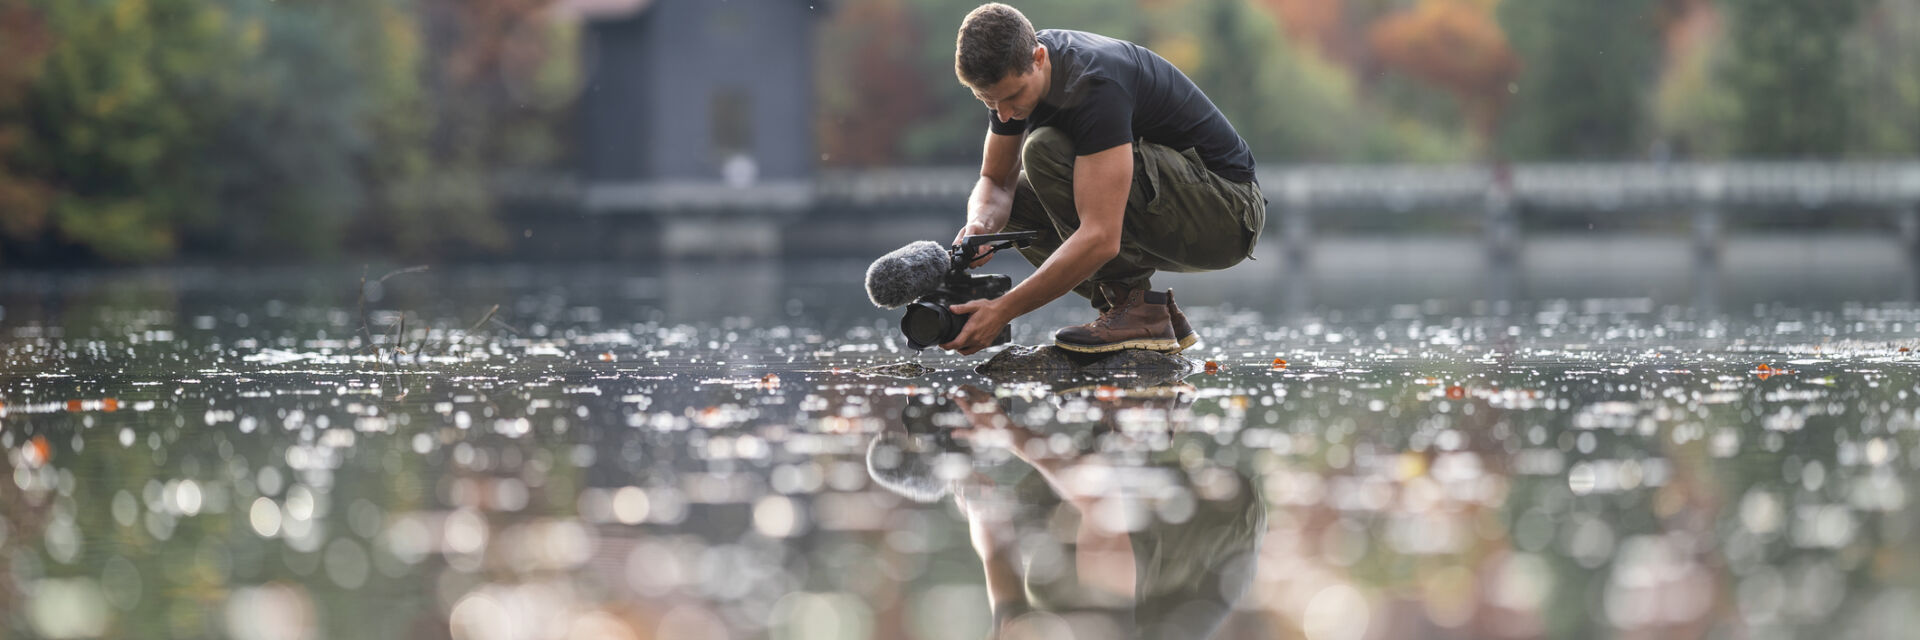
(995, 41)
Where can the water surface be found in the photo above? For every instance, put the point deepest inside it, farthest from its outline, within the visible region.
(1395, 441)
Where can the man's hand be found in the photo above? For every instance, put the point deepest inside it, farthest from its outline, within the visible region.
(974, 229)
(985, 319)
(987, 424)
(991, 201)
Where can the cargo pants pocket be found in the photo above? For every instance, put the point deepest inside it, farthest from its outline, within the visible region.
(1191, 219)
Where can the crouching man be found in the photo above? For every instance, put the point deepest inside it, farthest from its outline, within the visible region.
(1120, 162)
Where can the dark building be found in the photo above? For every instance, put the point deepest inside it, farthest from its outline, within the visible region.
(699, 110)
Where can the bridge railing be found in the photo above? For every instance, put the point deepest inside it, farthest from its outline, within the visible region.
(1597, 186)
(1296, 193)
(1704, 190)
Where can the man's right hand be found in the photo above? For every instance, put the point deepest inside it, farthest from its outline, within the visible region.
(974, 229)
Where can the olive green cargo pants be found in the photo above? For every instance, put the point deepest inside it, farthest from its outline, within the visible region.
(1180, 216)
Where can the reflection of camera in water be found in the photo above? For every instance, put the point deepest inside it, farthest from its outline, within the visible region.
(906, 457)
(934, 419)
(930, 320)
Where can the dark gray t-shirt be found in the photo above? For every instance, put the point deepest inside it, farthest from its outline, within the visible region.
(1107, 92)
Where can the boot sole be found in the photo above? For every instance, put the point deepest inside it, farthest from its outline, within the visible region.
(1162, 346)
(1185, 343)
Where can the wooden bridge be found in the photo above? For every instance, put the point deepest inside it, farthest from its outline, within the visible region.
(1706, 192)
(1296, 194)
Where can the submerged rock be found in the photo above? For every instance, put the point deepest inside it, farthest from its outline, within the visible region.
(897, 369)
(1020, 361)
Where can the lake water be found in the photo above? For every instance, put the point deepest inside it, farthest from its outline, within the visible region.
(1395, 441)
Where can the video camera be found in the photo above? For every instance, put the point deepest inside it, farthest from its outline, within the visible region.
(930, 320)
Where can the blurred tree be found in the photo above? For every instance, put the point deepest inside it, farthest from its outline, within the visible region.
(475, 87)
(1457, 46)
(423, 201)
(1588, 77)
(1882, 79)
(1398, 103)
(1786, 73)
(114, 122)
(133, 129)
(1694, 112)
(871, 92)
(1286, 101)
(280, 158)
(1316, 25)
(24, 199)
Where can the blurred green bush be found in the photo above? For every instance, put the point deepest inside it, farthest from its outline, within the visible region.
(136, 130)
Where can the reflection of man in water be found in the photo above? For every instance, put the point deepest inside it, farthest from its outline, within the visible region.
(1078, 537)
(1122, 165)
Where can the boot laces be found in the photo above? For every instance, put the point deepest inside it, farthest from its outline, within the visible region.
(1113, 313)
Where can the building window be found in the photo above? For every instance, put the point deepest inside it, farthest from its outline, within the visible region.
(733, 137)
(732, 123)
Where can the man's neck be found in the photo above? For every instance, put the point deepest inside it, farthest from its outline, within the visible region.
(1046, 76)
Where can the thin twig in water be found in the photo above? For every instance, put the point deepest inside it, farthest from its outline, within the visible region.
(366, 327)
(399, 331)
(392, 362)
(450, 343)
(366, 332)
(483, 320)
(476, 326)
(413, 269)
(398, 382)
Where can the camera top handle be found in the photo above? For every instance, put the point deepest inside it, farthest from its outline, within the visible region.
(964, 251)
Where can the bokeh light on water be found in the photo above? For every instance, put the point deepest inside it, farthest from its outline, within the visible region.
(684, 452)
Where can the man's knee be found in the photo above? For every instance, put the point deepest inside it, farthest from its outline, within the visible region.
(1047, 153)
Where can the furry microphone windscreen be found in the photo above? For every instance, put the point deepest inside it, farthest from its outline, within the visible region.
(906, 274)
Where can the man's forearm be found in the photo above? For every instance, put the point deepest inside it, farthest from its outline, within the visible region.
(1101, 184)
(995, 545)
(989, 205)
(1082, 254)
(992, 199)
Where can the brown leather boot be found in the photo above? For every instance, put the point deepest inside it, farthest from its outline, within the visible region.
(1182, 332)
(1137, 320)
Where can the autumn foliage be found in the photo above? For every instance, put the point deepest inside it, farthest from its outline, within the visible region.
(872, 100)
(1457, 46)
(1318, 24)
(27, 41)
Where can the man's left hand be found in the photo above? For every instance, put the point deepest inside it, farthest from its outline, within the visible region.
(983, 325)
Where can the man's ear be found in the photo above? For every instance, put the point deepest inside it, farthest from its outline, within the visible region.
(1039, 56)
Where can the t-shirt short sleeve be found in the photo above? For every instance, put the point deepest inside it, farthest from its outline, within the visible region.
(1103, 119)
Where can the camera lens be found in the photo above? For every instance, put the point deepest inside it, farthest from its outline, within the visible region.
(927, 324)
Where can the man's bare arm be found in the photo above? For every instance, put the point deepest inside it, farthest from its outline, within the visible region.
(993, 540)
(992, 198)
(1100, 184)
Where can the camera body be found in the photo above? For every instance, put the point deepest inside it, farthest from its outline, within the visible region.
(930, 319)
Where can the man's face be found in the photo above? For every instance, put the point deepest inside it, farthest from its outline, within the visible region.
(1015, 96)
